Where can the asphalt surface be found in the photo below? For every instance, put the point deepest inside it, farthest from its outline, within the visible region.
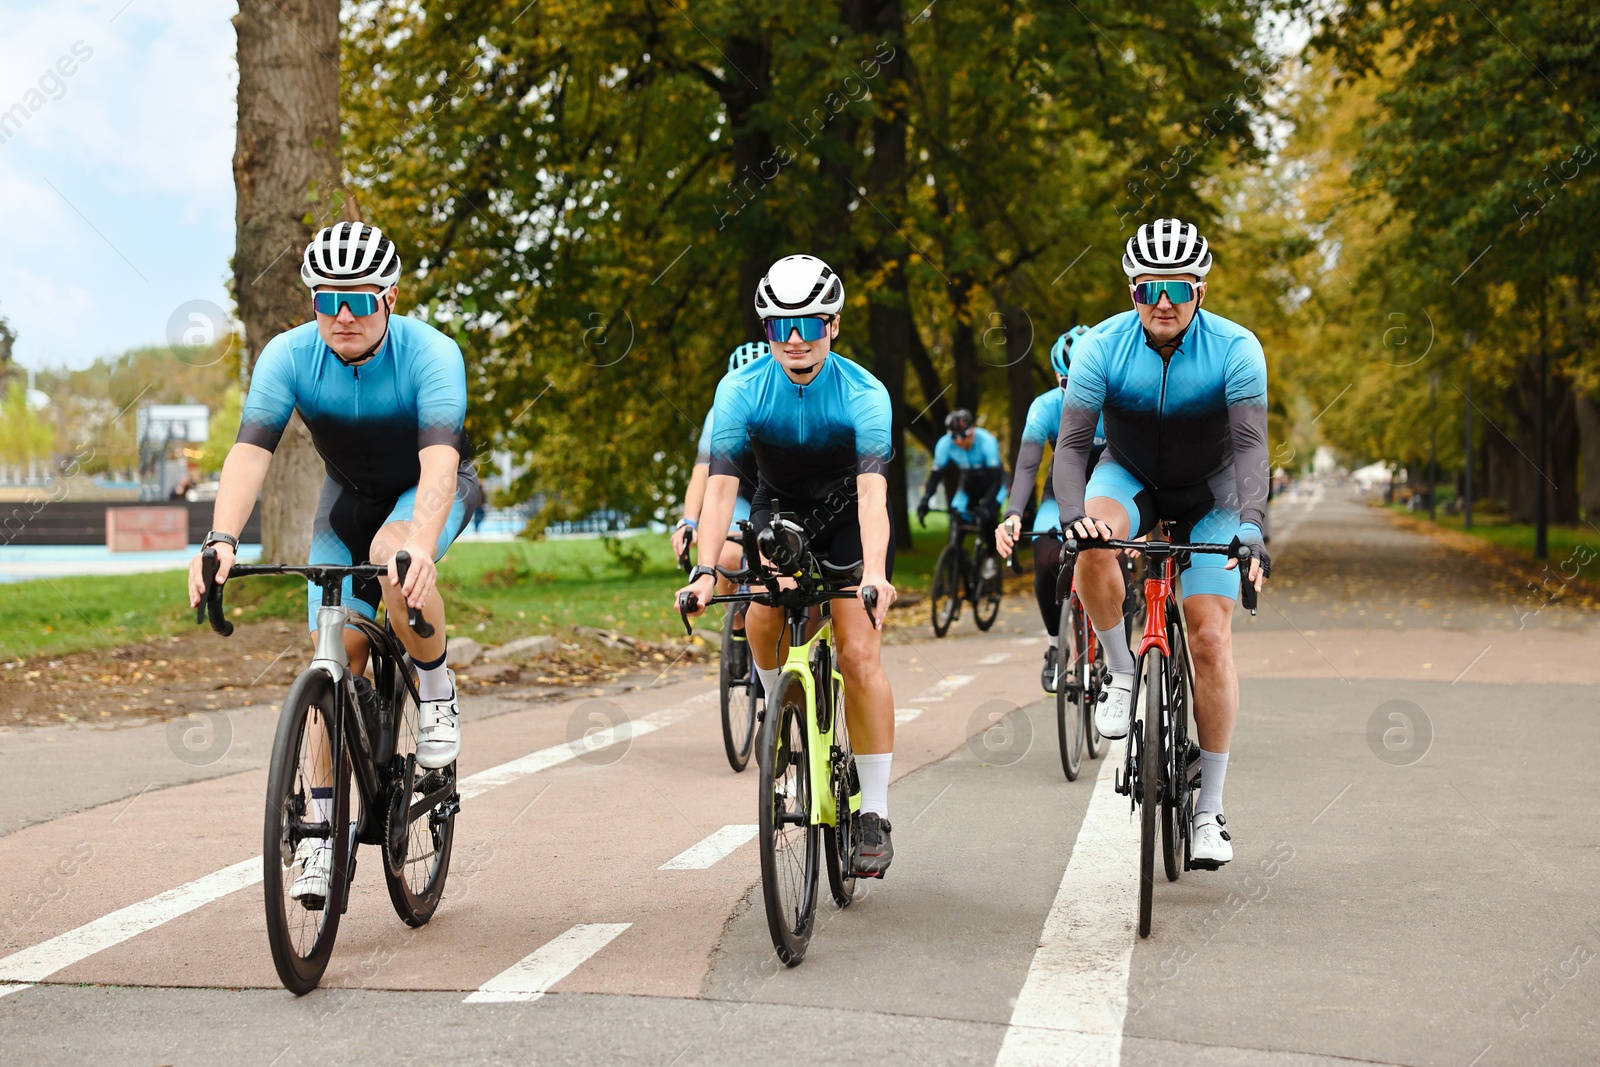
(1417, 845)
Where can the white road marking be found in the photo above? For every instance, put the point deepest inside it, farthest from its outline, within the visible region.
(46, 958)
(718, 845)
(993, 658)
(905, 715)
(943, 688)
(7, 990)
(530, 977)
(1072, 1006)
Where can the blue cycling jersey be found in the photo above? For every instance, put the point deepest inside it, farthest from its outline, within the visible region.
(1040, 429)
(1044, 420)
(745, 462)
(983, 452)
(1173, 422)
(809, 441)
(368, 422)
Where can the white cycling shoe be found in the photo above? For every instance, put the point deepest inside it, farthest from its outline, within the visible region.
(1210, 844)
(440, 741)
(315, 856)
(1111, 715)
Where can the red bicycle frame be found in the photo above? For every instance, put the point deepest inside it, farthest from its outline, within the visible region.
(1157, 593)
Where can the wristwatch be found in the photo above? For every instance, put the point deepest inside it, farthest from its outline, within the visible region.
(686, 521)
(216, 536)
(701, 572)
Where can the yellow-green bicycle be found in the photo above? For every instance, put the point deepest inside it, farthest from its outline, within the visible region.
(809, 794)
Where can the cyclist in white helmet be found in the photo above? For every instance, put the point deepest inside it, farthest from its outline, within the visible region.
(818, 425)
(385, 399)
(1184, 397)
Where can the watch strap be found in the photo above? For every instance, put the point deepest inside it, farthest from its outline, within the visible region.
(216, 536)
(701, 572)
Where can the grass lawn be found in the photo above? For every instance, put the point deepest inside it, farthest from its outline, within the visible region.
(1574, 550)
(496, 592)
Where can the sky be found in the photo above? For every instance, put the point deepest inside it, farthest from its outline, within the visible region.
(116, 180)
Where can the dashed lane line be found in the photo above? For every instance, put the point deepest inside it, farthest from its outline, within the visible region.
(943, 688)
(905, 715)
(718, 845)
(533, 975)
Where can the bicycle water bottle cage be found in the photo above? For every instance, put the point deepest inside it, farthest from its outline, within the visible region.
(784, 543)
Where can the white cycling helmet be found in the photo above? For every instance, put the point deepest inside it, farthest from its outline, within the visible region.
(350, 253)
(799, 285)
(1167, 246)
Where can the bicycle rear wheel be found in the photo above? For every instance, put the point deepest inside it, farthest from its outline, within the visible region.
(738, 690)
(419, 823)
(1175, 797)
(946, 595)
(789, 842)
(1149, 787)
(301, 935)
(988, 588)
(1069, 716)
(1087, 676)
(839, 841)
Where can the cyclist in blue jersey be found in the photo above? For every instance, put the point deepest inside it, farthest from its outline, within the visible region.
(818, 426)
(385, 400)
(1044, 419)
(975, 452)
(1184, 397)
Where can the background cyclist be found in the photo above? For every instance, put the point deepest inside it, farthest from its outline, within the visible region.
(975, 452)
(1184, 395)
(385, 399)
(1044, 420)
(818, 426)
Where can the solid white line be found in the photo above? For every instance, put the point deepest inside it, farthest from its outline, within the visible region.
(993, 658)
(530, 977)
(944, 687)
(716, 846)
(7, 990)
(1073, 1003)
(905, 715)
(46, 958)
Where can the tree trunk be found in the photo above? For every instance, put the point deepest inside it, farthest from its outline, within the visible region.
(755, 165)
(1021, 386)
(1586, 409)
(287, 175)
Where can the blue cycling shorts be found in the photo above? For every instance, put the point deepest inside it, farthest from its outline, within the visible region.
(1200, 513)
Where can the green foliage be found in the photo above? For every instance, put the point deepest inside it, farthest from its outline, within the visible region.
(224, 431)
(25, 437)
(630, 557)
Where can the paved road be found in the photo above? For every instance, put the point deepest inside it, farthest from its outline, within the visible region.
(1414, 889)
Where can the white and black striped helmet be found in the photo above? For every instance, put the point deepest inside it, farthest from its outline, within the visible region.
(799, 285)
(1167, 246)
(350, 253)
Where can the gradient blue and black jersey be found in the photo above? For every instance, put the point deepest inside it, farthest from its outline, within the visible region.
(810, 442)
(1040, 429)
(745, 461)
(1171, 423)
(368, 422)
(982, 474)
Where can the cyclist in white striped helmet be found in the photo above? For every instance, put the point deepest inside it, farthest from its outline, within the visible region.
(385, 399)
(1184, 397)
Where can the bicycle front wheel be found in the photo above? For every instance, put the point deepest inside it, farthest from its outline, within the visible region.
(1149, 786)
(420, 823)
(946, 595)
(1175, 748)
(989, 589)
(1069, 717)
(789, 842)
(839, 840)
(306, 754)
(738, 689)
(1089, 674)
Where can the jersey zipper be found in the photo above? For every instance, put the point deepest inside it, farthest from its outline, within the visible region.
(357, 372)
(1161, 407)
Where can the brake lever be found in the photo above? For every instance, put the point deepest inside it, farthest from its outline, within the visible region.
(209, 565)
(419, 626)
(869, 600)
(1248, 595)
(687, 604)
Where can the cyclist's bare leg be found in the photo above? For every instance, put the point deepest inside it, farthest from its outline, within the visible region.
(1099, 573)
(1216, 680)
(390, 539)
(869, 703)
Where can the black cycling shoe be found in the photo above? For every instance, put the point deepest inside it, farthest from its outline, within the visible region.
(1047, 677)
(874, 851)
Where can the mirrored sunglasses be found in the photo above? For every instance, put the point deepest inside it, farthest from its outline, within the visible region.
(811, 327)
(1150, 292)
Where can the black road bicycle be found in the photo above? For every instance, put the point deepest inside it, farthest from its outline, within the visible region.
(334, 729)
(960, 575)
(738, 684)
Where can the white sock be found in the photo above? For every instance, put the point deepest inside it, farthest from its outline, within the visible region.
(1055, 639)
(432, 683)
(873, 771)
(1213, 772)
(769, 679)
(1119, 657)
(322, 806)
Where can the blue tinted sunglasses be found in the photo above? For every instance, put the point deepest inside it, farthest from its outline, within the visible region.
(811, 327)
(1150, 292)
(360, 304)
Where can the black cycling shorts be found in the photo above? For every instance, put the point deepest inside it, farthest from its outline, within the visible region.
(832, 527)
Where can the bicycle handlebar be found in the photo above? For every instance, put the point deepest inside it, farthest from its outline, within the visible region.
(211, 606)
(688, 603)
(1161, 549)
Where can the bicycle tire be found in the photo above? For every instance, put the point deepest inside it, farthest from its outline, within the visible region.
(1174, 829)
(946, 593)
(302, 938)
(1149, 787)
(738, 695)
(1069, 712)
(788, 859)
(416, 847)
(987, 592)
(839, 840)
(1090, 679)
